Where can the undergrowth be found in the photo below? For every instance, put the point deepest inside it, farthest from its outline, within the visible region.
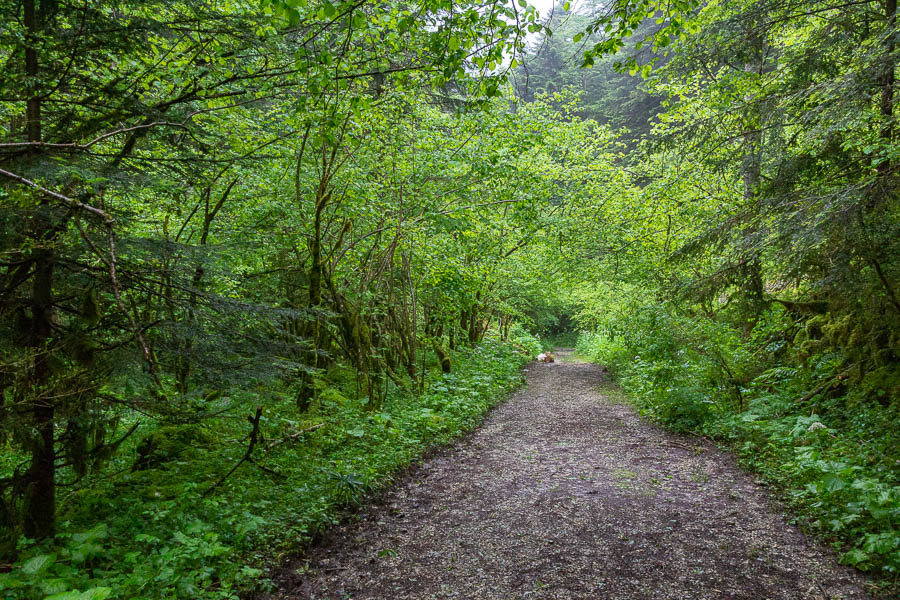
(154, 529)
(566, 339)
(832, 451)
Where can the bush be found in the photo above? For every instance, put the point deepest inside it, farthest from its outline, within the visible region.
(168, 443)
(529, 344)
(155, 534)
(603, 349)
(833, 448)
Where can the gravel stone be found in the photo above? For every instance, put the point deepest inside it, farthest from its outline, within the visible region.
(564, 493)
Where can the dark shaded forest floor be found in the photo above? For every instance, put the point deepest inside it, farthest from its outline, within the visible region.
(565, 492)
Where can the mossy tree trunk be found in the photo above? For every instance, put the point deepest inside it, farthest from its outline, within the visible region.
(41, 475)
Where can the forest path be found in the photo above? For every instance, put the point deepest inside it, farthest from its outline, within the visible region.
(564, 493)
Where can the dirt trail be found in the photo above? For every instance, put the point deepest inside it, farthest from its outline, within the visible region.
(564, 494)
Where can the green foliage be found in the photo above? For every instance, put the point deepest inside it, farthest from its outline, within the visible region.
(160, 537)
(290, 206)
(743, 283)
(622, 19)
(567, 339)
(603, 349)
(170, 442)
(839, 465)
(190, 215)
(528, 344)
(608, 93)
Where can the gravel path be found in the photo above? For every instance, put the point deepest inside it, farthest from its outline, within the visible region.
(564, 493)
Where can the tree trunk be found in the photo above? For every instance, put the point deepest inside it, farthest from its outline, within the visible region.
(751, 170)
(887, 84)
(313, 331)
(40, 500)
(473, 321)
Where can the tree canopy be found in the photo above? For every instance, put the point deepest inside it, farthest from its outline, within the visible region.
(333, 214)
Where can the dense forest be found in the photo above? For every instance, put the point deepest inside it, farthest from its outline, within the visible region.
(258, 256)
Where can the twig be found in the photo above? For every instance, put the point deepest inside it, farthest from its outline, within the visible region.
(71, 202)
(674, 444)
(268, 470)
(821, 387)
(109, 223)
(97, 140)
(254, 437)
(293, 436)
(117, 293)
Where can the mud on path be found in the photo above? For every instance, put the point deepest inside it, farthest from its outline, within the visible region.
(564, 493)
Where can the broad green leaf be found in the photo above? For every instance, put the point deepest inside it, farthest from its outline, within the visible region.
(833, 483)
(97, 593)
(70, 595)
(38, 564)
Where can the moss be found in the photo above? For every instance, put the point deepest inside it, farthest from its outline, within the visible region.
(343, 378)
(883, 384)
(838, 331)
(443, 357)
(810, 347)
(815, 327)
(856, 338)
(331, 397)
(884, 357)
(169, 442)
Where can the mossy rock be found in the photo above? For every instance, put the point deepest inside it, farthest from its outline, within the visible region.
(330, 397)
(170, 442)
